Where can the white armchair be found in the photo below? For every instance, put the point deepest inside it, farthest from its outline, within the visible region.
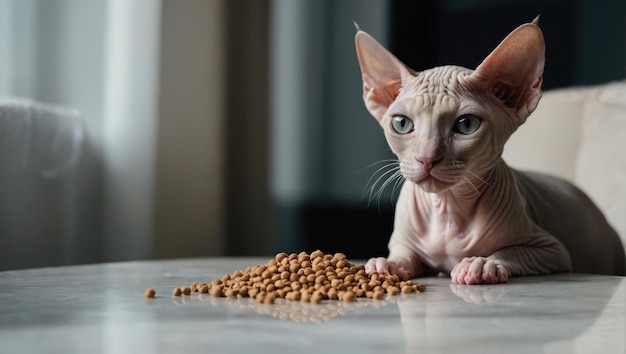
(580, 134)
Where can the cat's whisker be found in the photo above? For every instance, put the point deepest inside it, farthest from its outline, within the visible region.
(394, 178)
(388, 161)
(385, 175)
(469, 183)
(386, 183)
(479, 178)
(399, 180)
(457, 166)
(392, 165)
(369, 185)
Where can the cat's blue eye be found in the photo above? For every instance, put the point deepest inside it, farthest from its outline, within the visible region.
(402, 124)
(467, 124)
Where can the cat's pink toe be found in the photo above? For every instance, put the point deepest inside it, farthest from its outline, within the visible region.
(478, 270)
(475, 270)
(458, 273)
(379, 265)
(489, 273)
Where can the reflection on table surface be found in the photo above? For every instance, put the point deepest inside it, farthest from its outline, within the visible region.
(101, 307)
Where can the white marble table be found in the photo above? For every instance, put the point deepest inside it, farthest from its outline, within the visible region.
(101, 309)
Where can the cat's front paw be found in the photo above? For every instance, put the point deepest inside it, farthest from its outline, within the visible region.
(386, 267)
(479, 270)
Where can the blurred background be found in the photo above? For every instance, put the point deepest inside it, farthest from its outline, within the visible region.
(192, 128)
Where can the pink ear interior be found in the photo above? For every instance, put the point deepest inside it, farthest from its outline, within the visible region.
(514, 70)
(382, 74)
(378, 66)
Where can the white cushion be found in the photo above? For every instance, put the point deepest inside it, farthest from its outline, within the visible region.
(601, 163)
(550, 138)
(580, 134)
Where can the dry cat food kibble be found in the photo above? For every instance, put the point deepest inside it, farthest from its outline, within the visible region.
(149, 293)
(307, 278)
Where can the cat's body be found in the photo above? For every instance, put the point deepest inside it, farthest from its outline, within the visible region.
(462, 210)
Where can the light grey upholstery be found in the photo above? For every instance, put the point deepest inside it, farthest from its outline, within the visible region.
(41, 148)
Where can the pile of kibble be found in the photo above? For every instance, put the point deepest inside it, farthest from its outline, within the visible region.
(303, 277)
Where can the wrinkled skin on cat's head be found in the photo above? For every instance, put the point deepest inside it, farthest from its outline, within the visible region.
(448, 125)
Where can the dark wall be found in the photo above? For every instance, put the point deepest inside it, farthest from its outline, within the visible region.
(585, 40)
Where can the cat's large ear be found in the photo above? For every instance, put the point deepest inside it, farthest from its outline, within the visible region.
(382, 74)
(514, 70)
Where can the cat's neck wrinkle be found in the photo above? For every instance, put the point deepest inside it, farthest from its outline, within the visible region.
(458, 205)
(450, 206)
(503, 198)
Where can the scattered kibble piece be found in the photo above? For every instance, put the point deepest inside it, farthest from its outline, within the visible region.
(393, 290)
(316, 298)
(216, 291)
(149, 293)
(177, 292)
(378, 295)
(349, 296)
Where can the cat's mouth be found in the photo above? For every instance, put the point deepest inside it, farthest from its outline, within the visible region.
(432, 184)
(431, 181)
(434, 180)
(428, 179)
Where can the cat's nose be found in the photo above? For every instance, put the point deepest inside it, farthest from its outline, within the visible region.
(428, 161)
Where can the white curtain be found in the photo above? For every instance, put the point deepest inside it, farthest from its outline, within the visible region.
(129, 126)
(107, 59)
